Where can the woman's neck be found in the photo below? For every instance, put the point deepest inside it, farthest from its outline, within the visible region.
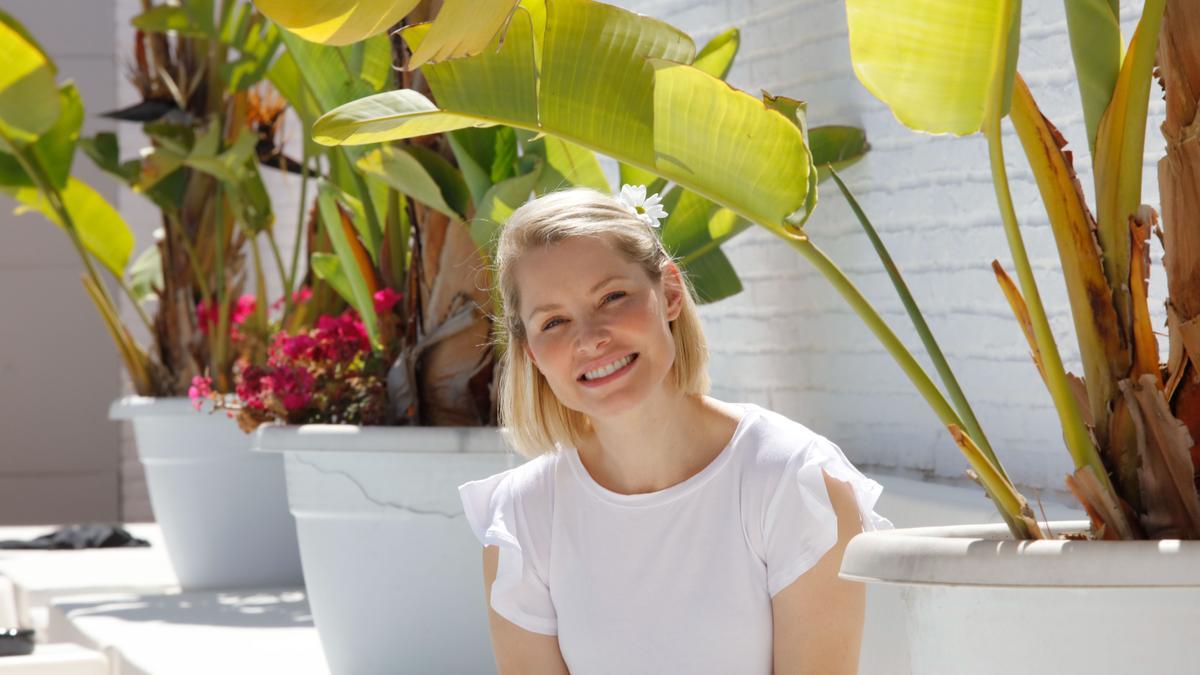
(658, 443)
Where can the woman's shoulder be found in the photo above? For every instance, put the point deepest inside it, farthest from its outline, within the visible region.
(772, 439)
(505, 504)
(775, 445)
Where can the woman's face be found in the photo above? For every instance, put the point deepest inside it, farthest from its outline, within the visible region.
(597, 325)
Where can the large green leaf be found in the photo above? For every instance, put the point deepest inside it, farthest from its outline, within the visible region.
(101, 229)
(350, 262)
(328, 268)
(716, 57)
(565, 164)
(475, 152)
(1095, 30)
(54, 150)
(407, 174)
(695, 226)
(172, 18)
(145, 274)
(29, 101)
(933, 61)
(256, 40)
(326, 72)
(495, 208)
(335, 22)
(463, 27)
(635, 101)
(713, 277)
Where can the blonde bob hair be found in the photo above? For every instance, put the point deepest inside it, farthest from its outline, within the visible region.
(535, 418)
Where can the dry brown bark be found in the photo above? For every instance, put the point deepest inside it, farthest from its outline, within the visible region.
(1179, 188)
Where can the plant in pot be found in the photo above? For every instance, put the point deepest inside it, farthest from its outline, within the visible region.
(206, 128)
(1131, 435)
(1131, 422)
(390, 567)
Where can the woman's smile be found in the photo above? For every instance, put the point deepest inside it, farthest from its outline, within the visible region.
(606, 374)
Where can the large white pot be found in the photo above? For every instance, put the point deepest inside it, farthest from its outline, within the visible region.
(222, 508)
(978, 602)
(392, 569)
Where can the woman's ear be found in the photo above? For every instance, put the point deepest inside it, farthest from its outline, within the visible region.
(529, 353)
(673, 289)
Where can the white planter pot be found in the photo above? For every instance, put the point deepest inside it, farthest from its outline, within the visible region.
(393, 572)
(978, 602)
(222, 508)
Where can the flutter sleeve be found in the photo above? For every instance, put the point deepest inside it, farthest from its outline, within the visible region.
(520, 592)
(799, 525)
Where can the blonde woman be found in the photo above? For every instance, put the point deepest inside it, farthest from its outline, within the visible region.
(654, 529)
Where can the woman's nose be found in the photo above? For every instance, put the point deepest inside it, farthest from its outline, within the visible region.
(593, 336)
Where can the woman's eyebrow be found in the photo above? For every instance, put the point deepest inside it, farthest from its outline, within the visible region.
(552, 305)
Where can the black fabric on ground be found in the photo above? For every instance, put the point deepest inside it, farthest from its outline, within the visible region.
(73, 537)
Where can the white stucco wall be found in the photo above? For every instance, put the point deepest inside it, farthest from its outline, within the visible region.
(791, 343)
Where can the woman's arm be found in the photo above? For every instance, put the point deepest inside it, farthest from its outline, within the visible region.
(518, 651)
(819, 617)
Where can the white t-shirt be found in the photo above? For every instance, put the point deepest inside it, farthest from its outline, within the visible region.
(674, 581)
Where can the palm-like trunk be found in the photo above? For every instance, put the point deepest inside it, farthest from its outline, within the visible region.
(1178, 178)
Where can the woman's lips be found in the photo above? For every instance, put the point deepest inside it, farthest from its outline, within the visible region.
(611, 376)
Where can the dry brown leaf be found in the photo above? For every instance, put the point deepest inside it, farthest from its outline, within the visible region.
(1170, 503)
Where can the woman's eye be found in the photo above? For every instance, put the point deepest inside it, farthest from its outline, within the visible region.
(550, 324)
(618, 294)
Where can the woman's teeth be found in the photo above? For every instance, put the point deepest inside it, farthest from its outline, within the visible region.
(609, 369)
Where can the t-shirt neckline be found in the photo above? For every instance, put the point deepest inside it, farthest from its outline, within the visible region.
(671, 492)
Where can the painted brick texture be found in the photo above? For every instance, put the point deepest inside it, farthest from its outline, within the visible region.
(790, 343)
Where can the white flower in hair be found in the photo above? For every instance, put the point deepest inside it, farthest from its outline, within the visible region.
(649, 210)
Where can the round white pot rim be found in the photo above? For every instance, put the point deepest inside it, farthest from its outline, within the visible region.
(350, 438)
(985, 555)
(145, 406)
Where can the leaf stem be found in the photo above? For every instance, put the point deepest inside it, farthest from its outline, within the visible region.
(971, 423)
(1075, 433)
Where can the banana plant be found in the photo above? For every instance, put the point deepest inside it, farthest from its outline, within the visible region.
(949, 67)
(646, 100)
(198, 67)
(39, 131)
(496, 168)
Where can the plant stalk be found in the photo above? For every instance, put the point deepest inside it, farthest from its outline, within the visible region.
(971, 423)
(1075, 432)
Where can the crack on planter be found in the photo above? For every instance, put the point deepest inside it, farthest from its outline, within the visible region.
(373, 500)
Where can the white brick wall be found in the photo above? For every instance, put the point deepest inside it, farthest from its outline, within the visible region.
(790, 343)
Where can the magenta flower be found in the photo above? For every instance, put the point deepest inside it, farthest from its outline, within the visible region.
(200, 390)
(386, 299)
(293, 386)
(242, 309)
(300, 295)
(207, 314)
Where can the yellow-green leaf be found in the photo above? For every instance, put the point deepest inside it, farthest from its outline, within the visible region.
(404, 172)
(932, 61)
(28, 94)
(101, 229)
(716, 57)
(462, 28)
(335, 22)
(721, 151)
(613, 82)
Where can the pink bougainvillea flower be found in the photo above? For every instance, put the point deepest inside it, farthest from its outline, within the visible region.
(242, 309)
(200, 390)
(341, 338)
(302, 294)
(251, 387)
(293, 387)
(386, 299)
(207, 314)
